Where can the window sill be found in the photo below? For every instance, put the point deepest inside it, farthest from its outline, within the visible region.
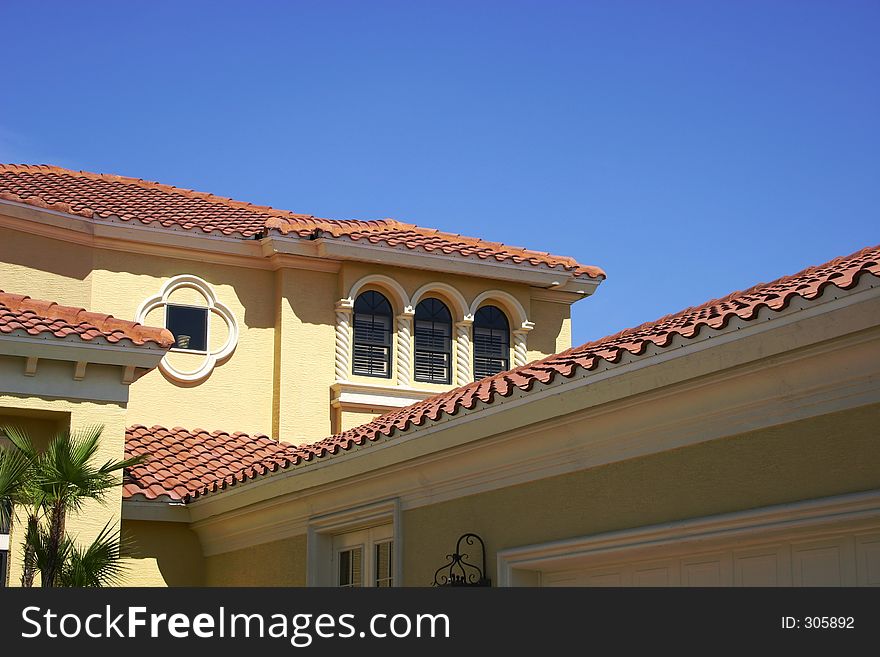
(348, 395)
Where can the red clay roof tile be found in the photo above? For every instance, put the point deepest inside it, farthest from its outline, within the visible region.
(103, 196)
(22, 315)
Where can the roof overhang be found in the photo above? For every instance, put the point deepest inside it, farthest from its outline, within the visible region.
(69, 368)
(276, 250)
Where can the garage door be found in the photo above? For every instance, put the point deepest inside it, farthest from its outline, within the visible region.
(843, 561)
(823, 542)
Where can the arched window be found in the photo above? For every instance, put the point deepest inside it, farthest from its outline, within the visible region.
(372, 335)
(491, 342)
(433, 358)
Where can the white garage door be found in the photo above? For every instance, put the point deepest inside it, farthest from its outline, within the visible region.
(824, 542)
(852, 560)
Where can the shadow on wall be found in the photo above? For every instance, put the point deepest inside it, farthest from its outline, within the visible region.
(73, 262)
(163, 554)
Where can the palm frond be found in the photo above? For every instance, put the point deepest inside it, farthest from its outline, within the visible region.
(15, 473)
(100, 564)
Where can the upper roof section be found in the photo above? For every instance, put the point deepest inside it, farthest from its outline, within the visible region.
(104, 197)
(22, 315)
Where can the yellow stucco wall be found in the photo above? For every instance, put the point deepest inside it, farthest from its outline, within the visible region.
(163, 554)
(122, 281)
(830, 455)
(279, 563)
(306, 351)
(41, 415)
(555, 332)
(45, 268)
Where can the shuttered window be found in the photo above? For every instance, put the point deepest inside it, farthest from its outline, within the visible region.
(491, 342)
(372, 335)
(433, 342)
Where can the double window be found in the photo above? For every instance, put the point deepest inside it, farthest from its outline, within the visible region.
(433, 342)
(491, 342)
(364, 558)
(372, 335)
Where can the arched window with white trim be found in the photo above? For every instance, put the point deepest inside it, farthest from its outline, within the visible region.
(433, 342)
(372, 335)
(491, 342)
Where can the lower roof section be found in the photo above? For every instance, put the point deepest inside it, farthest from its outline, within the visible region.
(186, 465)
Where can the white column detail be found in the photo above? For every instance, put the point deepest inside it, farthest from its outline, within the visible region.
(343, 338)
(404, 346)
(463, 373)
(521, 344)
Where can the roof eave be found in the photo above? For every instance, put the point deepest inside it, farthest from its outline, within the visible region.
(346, 249)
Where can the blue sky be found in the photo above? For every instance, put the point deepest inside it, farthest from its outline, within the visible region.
(689, 148)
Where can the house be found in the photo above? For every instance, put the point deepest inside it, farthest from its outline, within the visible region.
(338, 402)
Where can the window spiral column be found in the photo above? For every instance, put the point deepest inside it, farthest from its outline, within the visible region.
(343, 338)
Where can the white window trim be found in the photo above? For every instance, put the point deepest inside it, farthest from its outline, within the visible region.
(322, 529)
(213, 305)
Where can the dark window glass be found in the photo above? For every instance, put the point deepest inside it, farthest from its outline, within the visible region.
(3, 559)
(372, 335)
(189, 326)
(433, 331)
(491, 342)
(384, 556)
(350, 567)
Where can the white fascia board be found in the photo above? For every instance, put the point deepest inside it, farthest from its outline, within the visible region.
(341, 248)
(75, 350)
(155, 511)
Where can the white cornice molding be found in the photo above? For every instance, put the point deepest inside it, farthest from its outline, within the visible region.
(73, 349)
(345, 249)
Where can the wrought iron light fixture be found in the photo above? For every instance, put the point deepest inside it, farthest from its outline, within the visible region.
(459, 571)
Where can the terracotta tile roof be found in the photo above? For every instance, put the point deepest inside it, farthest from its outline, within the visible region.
(182, 465)
(21, 315)
(241, 465)
(103, 196)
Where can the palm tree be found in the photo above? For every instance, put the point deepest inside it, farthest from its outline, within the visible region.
(47, 486)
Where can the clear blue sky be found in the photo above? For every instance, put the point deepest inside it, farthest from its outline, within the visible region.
(689, 148)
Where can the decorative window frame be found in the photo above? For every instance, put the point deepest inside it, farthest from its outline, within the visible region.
(462, 322)
(213, 305)
(322, 529)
